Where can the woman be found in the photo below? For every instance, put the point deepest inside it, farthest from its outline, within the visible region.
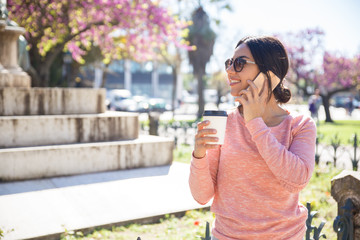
(268, 155)
(314, 105)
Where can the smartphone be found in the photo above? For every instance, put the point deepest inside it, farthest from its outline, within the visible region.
(260, 80)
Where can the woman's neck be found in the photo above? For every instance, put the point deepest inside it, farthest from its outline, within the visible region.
(273, 115)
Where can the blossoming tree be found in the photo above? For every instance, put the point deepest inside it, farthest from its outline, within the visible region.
(338, 74)
(312, 67)
(303, 48)
(120, 28)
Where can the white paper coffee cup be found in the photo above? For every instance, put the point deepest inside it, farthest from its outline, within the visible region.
(217, 121)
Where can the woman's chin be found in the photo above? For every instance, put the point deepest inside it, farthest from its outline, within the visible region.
(234, 92)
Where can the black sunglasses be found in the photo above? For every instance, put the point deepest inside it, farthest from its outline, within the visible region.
(239, 63)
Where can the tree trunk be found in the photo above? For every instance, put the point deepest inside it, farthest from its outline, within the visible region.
(42, 64)
(35, 78)
(201, 102)
(44, 71)
(154, 123)
(173, 97)
(218, 101)
(105, 72)
(326, 101)
(75, 71)
(35, 62)
(326, 104)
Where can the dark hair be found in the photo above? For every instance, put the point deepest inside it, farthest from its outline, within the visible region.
(270, 54)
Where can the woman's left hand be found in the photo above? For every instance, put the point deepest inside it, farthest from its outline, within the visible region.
(253, 101)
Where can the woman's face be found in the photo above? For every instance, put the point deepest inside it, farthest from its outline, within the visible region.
(238, 80)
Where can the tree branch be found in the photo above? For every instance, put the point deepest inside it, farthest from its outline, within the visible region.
(339, 90)
(50, 57)
(72, 36)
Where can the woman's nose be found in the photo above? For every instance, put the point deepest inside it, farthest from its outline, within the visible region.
(230, 69)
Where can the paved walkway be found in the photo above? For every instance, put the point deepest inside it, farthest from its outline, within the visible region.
(45, 208)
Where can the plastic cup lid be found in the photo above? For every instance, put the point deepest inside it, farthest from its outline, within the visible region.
(215, 113)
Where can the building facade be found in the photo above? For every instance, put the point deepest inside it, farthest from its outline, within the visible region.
(150, 79)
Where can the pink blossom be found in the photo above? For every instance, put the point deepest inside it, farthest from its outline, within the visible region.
(338, 72)
(79, 22)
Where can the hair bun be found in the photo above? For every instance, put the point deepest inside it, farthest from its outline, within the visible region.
(282, 93)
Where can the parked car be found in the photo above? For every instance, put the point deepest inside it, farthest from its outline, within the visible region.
(210, 95)
(121, 100)
(343, 101)
(142, 103)
(159, 105)
(339, 101)
(188, 98)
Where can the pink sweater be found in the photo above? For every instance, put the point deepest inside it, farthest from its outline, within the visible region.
(255, 178)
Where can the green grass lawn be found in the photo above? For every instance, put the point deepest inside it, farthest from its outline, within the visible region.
(189, 227)
(344, 129)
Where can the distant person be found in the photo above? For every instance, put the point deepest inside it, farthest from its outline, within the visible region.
(350, 106)
(267, 157)
(314, 104)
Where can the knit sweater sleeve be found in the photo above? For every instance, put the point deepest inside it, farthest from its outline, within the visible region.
(292, 167)
(203, 172)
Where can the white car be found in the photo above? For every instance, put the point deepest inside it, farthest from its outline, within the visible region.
(121, 100)
(210, 95)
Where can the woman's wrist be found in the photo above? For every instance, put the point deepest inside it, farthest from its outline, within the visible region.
(198, 155)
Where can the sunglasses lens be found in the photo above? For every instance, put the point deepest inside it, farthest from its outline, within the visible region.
(227, 63)
(239, 64)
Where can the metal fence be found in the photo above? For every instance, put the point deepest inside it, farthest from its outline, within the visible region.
(337, 153)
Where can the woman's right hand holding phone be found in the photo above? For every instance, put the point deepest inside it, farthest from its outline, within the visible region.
(202, 138)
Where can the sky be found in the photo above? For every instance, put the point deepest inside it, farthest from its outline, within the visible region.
(339, 19)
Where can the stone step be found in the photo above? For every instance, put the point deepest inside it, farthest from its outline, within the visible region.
(61, 160)
(51, 101)
(26, 131)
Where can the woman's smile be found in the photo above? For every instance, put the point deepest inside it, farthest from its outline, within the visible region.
(233, 81)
